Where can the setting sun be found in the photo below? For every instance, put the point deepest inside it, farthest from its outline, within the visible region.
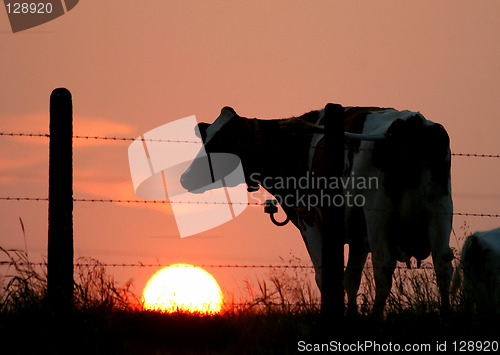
(185, 288)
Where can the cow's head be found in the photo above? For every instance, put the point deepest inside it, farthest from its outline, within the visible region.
(246, 138)
(229, 133)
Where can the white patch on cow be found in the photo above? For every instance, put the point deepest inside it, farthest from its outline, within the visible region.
(315, 139)
(312, 149)
(312, 234)
(378, 122)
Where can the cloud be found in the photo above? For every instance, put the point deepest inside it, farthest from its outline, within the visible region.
(99, 171)
(38, 123)
(116, 190)
(100, 127)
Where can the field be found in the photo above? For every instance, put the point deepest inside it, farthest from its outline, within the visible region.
(280, 317)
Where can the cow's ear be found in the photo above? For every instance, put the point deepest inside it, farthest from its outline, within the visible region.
(200, 130)
(230, 110)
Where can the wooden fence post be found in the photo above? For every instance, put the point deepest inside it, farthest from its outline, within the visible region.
(60, 244)
(332, 295)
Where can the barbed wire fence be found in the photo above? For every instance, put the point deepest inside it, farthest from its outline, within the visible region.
(130, 139)
(91, 263)
(129, 201)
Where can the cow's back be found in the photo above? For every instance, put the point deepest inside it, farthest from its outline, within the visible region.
(480, 262)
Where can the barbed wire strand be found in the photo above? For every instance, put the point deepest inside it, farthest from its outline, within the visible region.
(20, 134)
(130, 139)
(465, 214)
(208, 266)
(237, 266)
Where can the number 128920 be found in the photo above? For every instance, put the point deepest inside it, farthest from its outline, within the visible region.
(29, 8)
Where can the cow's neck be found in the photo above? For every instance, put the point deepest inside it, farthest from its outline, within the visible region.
(275, 153)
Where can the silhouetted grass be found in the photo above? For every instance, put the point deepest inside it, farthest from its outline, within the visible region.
(94, 288)
(287, 291)
(23, 286)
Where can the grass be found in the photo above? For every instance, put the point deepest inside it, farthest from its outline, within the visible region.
(279, 312)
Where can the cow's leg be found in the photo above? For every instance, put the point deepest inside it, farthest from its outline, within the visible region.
(312, 238)
(353, 273)
(383, 269)
(383, 261)
(444, 270)
(442, 256)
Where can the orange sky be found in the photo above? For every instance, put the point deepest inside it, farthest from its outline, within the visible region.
(132, 66)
